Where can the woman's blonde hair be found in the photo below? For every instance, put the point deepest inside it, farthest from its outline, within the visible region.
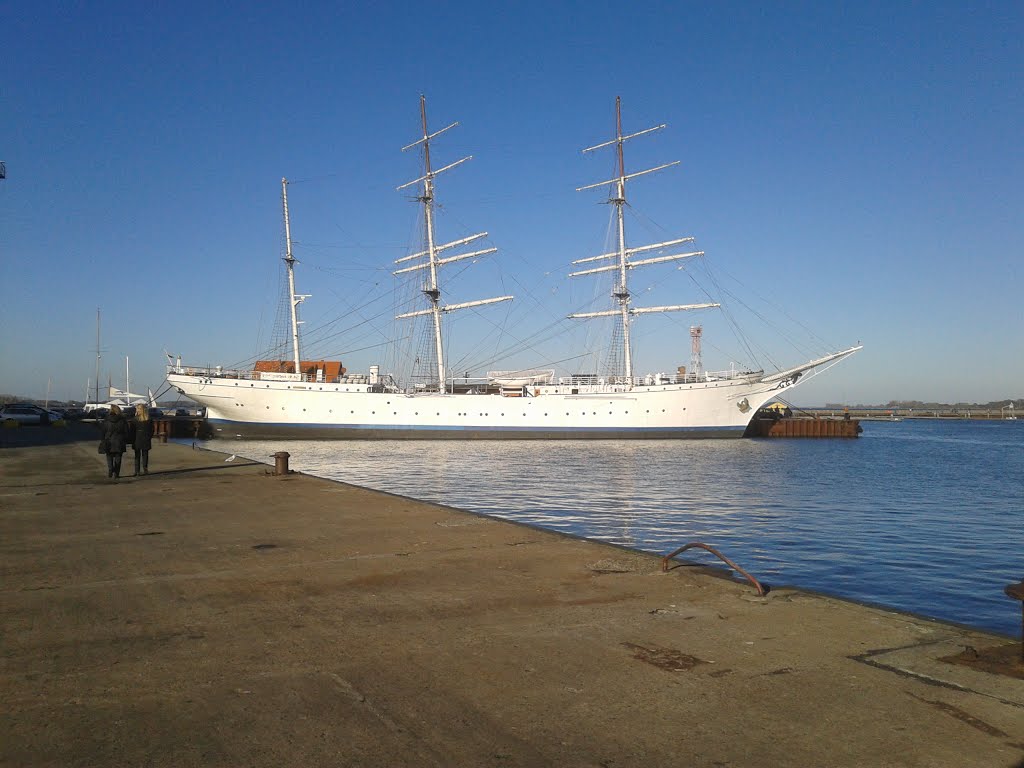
(141, 413)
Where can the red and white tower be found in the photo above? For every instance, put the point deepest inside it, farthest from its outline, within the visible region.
(695, 363)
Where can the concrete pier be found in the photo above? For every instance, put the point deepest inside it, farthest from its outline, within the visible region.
(213, 614)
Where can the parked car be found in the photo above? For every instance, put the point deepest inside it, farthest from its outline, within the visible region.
(26, 413)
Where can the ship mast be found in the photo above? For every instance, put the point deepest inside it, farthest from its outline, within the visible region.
(622, 254)
(431, 285)
(98, 356)
(294, 299)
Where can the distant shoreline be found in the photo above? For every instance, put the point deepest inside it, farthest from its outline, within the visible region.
(888, 414)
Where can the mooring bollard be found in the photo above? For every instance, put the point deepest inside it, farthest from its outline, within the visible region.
(1016, 591)
(281, 463)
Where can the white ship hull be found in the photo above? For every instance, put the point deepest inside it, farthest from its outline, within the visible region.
(239, 407)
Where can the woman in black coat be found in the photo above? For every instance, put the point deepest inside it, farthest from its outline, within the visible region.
(115, 433)
(141, 428)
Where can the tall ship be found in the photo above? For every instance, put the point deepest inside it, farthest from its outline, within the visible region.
(305, 398)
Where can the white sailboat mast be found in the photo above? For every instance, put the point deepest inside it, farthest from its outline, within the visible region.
(98, 356)
(623, 254)
(621, 291)
(294, 299)
(431, 288)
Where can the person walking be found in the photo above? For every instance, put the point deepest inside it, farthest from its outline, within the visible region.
(115, 433)
(142, 431)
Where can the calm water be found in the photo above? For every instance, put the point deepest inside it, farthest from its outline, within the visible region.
(924, 516)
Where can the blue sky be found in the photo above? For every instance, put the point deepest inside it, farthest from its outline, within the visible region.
(855, 168)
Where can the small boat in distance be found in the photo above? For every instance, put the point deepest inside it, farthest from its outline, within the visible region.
(320, 399)
(880, 417)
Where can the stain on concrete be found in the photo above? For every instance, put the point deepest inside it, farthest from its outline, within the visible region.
(668, 659)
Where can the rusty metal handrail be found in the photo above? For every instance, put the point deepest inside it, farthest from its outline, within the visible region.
(665, 561)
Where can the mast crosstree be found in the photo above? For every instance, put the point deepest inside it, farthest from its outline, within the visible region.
(429, 259)
(622, 261)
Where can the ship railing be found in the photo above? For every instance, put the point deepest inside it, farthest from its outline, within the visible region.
(651, 379)
(219, 372)
(206, 371)
(536, 377)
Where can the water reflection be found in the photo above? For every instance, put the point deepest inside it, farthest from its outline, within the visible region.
(916, 515)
